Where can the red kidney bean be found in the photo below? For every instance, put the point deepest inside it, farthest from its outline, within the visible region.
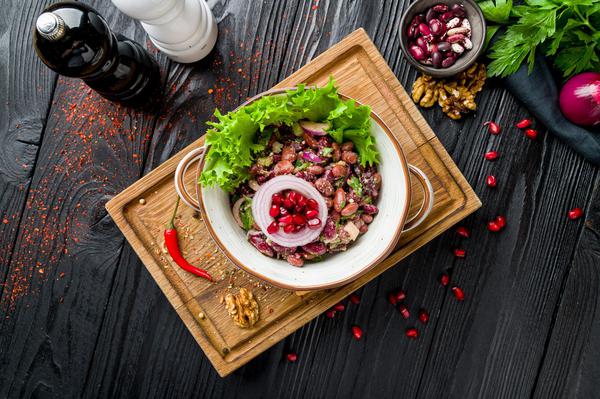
(424, 29)
(417, 52)
(448, 62)
(337, 153)
(295, 260)
(339, 199)
(315, 170)
(367, 218)
(347, 146)
(458, 10)
(440, 8)
(417, 19)
(310, 140)
(455, 38)
(363, 229)
(349, 209)
(443, 46)
(349, 157)
(423, 44)
(377, 179)
(339, 170)
(324, 186)
(283, 167)
(411, 32)
(437, 27)
(431, 14)
(447, 16)
(370, 209)
(436, 59)
(288, 154)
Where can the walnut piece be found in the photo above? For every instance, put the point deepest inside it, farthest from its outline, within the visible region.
(455, 95)
(242, 308)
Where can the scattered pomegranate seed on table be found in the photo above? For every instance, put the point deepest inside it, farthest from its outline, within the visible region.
(292, 357)
(404, 311)
(531, 133)
(491, 155)
(501, 221)
(458, 293)
(339, 307)
(493, 127)
(355, 299)
(392, 298)
(330, 313)
(444, 279)
(493, 226)
(412, 332)
(524, 123)
(491, 181)
(463, 232)
(575, 213)
(423, 316)
(460, 253)
(357, 332)
(400, 296)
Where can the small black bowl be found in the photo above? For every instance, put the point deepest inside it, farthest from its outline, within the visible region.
(477, 21)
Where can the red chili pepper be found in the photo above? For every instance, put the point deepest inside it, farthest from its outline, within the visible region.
(173, 247)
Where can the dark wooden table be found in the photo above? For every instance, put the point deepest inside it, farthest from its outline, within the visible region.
(81, 316)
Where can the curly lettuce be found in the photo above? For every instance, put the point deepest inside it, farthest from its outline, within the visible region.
(236, 138)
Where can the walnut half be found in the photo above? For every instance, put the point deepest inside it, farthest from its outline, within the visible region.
(242, 308)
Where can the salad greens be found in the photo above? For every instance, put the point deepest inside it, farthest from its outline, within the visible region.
(566, 30)
(236, 138)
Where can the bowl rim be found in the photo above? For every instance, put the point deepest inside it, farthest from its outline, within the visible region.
(314, 287)
(454, 69)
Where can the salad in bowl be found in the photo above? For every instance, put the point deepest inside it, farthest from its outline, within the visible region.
(305, 188)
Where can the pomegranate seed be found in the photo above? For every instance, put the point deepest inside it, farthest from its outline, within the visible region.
(285, 220)
(493, 127)
(493, 226)
(404, 311)
(460, 253)
(491, 181)
(312, 204)
(531, 133)
(501, 221)
(283, 211)
(458, 293)
(444, 279)
(463, 232)
(288, 203)
(299, 220)
(311, 214)
(412, 333)
(339, 307)
(523, 124)
(400, 296)
(392, 298)
(423, 316)
(274, 211)
(298, 227)
(292, 195)
(273, 228)
(289, 228)
(355, 299)
(314, 224)
(330, 313)
(491, 155)
(575, 213)
(292, 357)
(357, 332)
(276, 199)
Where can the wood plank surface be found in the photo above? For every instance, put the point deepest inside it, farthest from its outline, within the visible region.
(522, 330)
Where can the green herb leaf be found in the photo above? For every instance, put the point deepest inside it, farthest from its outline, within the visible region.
(356, 185)
(498, 11)
(246, 214)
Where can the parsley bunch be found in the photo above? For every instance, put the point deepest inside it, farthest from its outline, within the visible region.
(568, 31)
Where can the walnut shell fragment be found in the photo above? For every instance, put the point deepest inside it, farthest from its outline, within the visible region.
(242, 308)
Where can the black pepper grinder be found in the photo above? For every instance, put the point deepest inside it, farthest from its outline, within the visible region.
(74, 40)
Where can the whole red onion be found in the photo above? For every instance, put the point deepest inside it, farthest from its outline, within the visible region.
(580, 99)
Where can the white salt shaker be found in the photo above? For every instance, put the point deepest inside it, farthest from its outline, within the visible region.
(185, 30)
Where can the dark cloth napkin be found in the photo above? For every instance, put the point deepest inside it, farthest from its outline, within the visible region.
(538, 92)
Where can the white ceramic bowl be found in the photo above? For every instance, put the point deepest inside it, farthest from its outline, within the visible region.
(338, 268)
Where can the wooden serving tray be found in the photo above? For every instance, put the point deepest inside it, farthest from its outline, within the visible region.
(361, 73)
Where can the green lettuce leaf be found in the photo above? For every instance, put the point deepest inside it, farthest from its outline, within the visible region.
(236, 138)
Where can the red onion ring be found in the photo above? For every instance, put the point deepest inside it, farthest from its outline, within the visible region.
(262, 202)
